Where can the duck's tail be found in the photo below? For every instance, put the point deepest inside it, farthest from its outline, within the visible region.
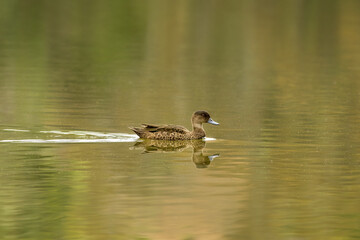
(137, 130)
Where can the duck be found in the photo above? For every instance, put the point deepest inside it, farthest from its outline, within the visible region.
(176, 132)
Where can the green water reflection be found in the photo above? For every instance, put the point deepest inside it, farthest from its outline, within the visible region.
(282, 78)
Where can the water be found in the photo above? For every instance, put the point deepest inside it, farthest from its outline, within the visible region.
(281, 77)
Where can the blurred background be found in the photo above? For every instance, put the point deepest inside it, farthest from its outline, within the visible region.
(281, 77)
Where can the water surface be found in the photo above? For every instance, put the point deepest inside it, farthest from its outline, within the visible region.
(281, 77)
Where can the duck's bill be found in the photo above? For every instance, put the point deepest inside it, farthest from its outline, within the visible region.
(212, 122)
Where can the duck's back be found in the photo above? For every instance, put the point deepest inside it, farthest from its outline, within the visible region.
(162, 132)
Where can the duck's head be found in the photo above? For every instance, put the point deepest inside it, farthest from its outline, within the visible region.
(202, 117)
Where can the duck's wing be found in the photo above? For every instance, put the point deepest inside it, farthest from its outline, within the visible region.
(164, 132)
(150, 126)
(165, 128)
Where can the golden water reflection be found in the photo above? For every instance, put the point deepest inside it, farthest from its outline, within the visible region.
(200, 159)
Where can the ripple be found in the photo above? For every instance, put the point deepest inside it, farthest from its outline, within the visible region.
(90, 133)
(209, 139)
(15, 130)
(86, 137)
(79, 137)
(70, 140)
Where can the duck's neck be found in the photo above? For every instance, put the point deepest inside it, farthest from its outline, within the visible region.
(198, 130)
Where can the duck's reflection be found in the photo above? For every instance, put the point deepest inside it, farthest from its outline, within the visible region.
(200, 159)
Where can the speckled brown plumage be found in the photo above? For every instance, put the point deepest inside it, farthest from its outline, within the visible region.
(175, 132)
